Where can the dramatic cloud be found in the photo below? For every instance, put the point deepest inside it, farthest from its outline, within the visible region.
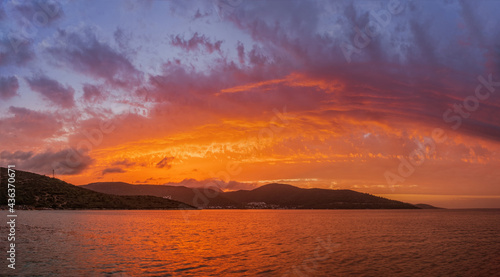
(63, 162)
(82, 51)
(26, 18)
(310, 92)
(8, 87)
(26, 126)
(53, 91)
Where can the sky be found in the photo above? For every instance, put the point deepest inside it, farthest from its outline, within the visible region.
(394, 98)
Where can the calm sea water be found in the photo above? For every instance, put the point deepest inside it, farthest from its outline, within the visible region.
(256, 243)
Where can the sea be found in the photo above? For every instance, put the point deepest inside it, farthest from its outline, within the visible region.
(254, 243)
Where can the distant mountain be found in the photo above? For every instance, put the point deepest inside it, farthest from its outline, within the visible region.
(39, 191)
(198, 197)
(279, 196)
(426, 206)
(287, 196)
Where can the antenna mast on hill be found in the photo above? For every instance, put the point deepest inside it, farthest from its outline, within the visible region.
(53, 173)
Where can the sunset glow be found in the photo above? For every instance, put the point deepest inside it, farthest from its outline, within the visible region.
(258, 92)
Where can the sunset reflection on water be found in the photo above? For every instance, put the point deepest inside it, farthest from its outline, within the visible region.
(258, 242)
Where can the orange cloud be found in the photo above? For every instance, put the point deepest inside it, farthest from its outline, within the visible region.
(292, 80)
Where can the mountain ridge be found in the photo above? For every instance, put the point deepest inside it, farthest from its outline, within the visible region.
(208, 196)
(274, 195)
(288, 196)
(42, 192)
(39, 191)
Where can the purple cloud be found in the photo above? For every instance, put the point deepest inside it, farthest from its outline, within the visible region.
(15, 49)
(64, 162)
(40, 12)
(8, 87)
(18, 155)
(112, 170)
(26, 125)
(83, 52)
(195, 43)
(241, 52)
(92, 93)
(2, 12)
(53, 91)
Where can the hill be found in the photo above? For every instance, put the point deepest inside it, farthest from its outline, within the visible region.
(198, 197)
(276, 196)
(287, 196)
(44, 192)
